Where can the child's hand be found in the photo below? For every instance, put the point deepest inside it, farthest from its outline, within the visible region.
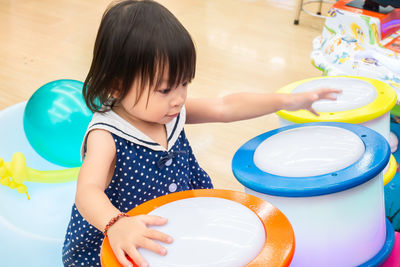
(129, 233)
(305, 100)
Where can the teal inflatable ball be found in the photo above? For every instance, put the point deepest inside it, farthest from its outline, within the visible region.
(55, 121)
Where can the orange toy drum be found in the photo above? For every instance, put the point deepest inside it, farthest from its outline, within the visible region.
(227, 228)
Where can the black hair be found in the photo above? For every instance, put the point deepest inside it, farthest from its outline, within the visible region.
(137, 41)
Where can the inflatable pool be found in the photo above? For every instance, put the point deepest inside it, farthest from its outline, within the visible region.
(38, 140)
(31, 231)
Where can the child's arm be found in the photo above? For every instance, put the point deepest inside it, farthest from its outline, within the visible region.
(127, 234)
(242, 106)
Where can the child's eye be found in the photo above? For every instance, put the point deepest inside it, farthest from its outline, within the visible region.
(164, 91)
(185, 84)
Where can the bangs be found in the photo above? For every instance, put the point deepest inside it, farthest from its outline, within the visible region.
(178, 67)
(171, 54)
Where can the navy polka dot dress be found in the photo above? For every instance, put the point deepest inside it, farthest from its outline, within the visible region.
(143, 170)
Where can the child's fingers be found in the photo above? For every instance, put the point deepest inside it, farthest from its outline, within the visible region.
(157, 235)
(153, 246)
(313, 111)
(136, 257)
(153, 220)
(120, 254)
(329, 97)
(327, 91)
(330, 94)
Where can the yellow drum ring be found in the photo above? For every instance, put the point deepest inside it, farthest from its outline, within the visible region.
(391, 171)
(383, 103)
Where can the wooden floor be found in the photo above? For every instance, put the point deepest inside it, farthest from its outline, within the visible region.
(242, 45)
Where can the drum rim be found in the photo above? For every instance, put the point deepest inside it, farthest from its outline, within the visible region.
(370, 165)
(278, 249)
(385, 100)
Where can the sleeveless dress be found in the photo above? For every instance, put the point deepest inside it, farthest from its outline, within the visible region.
(143, 170)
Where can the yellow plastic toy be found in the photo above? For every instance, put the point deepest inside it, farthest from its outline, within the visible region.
(13, 174)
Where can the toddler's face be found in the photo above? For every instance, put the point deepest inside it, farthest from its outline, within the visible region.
(162, 106)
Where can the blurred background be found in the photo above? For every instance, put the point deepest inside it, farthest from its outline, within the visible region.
(242, 45)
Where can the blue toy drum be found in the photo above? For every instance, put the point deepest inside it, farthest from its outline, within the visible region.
(327, 179)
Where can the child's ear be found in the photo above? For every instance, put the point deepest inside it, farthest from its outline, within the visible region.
(116, 89)
(115, 94)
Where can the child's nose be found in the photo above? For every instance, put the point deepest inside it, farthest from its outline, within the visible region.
(177, 101)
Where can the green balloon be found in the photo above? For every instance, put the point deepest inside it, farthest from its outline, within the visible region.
(55, 121)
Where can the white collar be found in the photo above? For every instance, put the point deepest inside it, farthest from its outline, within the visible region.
(112, 122)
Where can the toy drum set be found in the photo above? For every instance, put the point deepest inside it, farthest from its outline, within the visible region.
(327, 179)
(318, 180)
(363, 101)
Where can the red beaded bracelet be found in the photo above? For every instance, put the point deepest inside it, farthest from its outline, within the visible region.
(113, 221)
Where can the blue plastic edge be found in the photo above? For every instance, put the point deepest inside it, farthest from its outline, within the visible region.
(373, 161)
(386, 250)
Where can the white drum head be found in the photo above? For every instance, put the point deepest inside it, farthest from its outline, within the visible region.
(208, 231)
(355, 94)
(308, 151)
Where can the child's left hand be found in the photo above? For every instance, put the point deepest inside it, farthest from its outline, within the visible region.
(305, 100)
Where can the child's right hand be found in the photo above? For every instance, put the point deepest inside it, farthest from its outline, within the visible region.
(130, 233)
(305, 100)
